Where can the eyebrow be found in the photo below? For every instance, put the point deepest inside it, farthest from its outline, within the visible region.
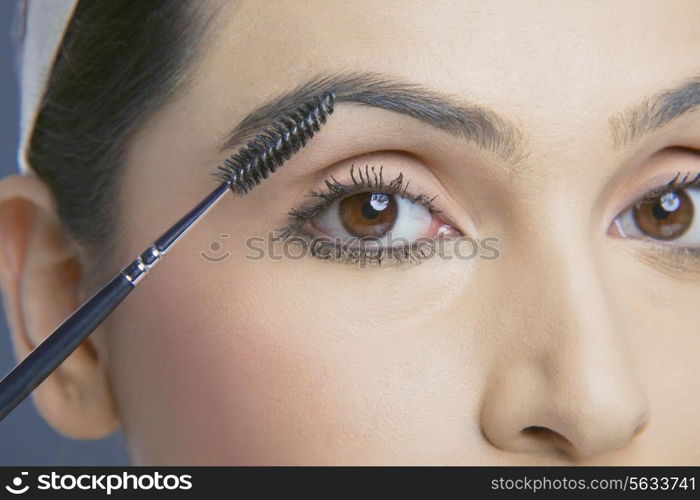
(475, 123)
(655, 112)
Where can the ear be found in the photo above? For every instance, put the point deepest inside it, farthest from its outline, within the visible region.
(41, 274)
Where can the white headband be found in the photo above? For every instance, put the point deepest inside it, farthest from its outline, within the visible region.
(45, 21)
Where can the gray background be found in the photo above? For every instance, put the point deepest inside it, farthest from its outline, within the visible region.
(25, 438)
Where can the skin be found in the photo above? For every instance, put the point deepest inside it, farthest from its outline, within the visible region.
(587, 337)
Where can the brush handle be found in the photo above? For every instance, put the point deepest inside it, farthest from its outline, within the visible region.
(45, 357)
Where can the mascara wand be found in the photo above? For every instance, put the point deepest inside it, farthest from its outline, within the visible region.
(240, 173)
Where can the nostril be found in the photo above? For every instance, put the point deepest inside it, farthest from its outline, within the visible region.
(546, 436)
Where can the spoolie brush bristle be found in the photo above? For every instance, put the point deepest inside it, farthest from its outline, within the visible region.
(276, 144)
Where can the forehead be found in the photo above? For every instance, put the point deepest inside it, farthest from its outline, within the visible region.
(561, 55)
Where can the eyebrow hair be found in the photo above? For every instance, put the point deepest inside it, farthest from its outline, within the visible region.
(475, 123)
(654, 112)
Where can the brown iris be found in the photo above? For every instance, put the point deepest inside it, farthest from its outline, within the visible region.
(368, 214)
(665, 217)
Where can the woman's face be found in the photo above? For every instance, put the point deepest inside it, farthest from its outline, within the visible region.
(575, 341)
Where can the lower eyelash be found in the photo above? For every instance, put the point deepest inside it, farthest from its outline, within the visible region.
(363, 257)
(677, 262)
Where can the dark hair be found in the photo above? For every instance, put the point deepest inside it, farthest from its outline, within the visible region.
(119, 61)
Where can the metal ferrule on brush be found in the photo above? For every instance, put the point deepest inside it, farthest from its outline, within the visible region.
(135, 271)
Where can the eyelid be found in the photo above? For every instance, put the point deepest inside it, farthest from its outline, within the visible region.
(425, 174)
(675, 184)
(656, 171)
(655, 185)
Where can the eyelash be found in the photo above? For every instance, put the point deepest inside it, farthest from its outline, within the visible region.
(672, 185)
(371, 179)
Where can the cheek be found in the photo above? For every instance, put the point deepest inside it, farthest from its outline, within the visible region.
(274, 362)
(206, 376)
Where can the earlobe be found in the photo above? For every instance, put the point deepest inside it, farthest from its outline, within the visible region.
(40, 274)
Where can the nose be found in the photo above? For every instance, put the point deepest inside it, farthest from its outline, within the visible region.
(562, 380)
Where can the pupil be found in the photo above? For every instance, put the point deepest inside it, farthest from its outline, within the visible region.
(659, 212)
(368, 212)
